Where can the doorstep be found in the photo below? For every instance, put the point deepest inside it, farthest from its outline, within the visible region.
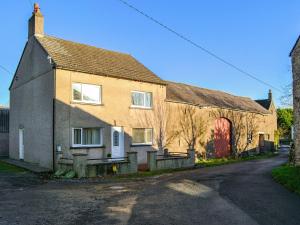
(26, 165)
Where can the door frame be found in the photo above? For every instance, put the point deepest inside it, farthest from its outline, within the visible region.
(21, 144)
(121, 141)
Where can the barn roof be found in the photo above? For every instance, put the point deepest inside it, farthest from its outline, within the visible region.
(178, 92)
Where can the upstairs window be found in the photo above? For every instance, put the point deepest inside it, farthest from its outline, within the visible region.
(141, 99)
(87, 137)
(86, 93)
(142, 136)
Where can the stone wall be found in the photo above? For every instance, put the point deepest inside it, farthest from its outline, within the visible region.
(92, 168)
(296, 99)
(170, 162)
(266, 124)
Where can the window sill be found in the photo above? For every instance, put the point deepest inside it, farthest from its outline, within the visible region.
(87, 103)
(140, 107)
(86, 147)
(141, 145)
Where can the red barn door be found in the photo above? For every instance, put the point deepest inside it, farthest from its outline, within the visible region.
(222, 138)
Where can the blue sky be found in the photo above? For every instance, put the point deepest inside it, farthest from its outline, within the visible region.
(256, 35)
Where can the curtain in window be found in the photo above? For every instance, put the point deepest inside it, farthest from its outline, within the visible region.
(141, 135)
(91, 93)
(77, 136)
(137, 98)
(148, 135)
(77, 92)
(91, 136)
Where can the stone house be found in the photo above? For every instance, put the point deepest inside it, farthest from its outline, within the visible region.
(71, 98)
(295, 57)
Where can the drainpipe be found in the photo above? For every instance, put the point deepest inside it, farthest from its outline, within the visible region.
(53, 120)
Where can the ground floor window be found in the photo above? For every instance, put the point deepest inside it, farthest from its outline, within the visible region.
(142, 136)
(87, 137)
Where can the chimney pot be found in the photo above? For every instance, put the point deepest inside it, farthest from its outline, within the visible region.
(36, 22)
(36, 7)
(270, 95)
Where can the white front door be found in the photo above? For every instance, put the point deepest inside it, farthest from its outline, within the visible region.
(21, 143)
(117, 142)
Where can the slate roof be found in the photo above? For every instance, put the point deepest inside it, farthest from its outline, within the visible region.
(88, 59)
(266, 103)
(202, 97)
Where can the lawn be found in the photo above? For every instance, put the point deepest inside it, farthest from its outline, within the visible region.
(288, 176)
(223, 161)
(5, 167)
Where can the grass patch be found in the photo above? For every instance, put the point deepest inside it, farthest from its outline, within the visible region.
(288, 176)
(5, 167)
(224, 161)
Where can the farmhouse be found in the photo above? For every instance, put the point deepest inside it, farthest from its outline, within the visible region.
(68, 98)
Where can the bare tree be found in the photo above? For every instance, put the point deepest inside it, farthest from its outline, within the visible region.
(191, 125)
(243, 126)
(251, 128)
(287, 98)
(160, 120)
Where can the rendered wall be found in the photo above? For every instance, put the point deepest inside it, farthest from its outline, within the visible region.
(31, 107)
(115, 110)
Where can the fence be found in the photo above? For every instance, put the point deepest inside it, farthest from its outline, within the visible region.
(85, 167)
(171, 160)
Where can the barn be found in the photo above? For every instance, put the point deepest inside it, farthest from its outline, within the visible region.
(222, 115)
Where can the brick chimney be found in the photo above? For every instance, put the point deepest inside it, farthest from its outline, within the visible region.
(270, 95)
(36, 22)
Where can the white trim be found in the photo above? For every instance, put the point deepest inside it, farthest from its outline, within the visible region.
(82, 145)
(142, 106)
(139, 107)
(85, 101)
(146, 144)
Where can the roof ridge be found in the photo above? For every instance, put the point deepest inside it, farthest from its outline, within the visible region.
(86, 45)
(223, 92)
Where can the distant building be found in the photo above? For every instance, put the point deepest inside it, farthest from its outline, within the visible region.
(4, 131)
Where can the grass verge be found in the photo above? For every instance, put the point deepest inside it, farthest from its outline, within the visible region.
(223, 161)
(5, 167)
(288, 176)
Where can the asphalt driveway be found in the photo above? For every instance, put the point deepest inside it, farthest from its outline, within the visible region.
(242, 193)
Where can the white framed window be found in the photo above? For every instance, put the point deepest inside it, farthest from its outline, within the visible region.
(141, 99)
(86, 93)
(87, 137)
(142, 136)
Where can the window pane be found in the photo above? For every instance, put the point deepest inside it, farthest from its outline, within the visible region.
(137, 98)
(148, 135)
(91, 136)
(148, 99)
(91, 93)
(77, 92)
(77, 136)
(116, 138)
(138, 135)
